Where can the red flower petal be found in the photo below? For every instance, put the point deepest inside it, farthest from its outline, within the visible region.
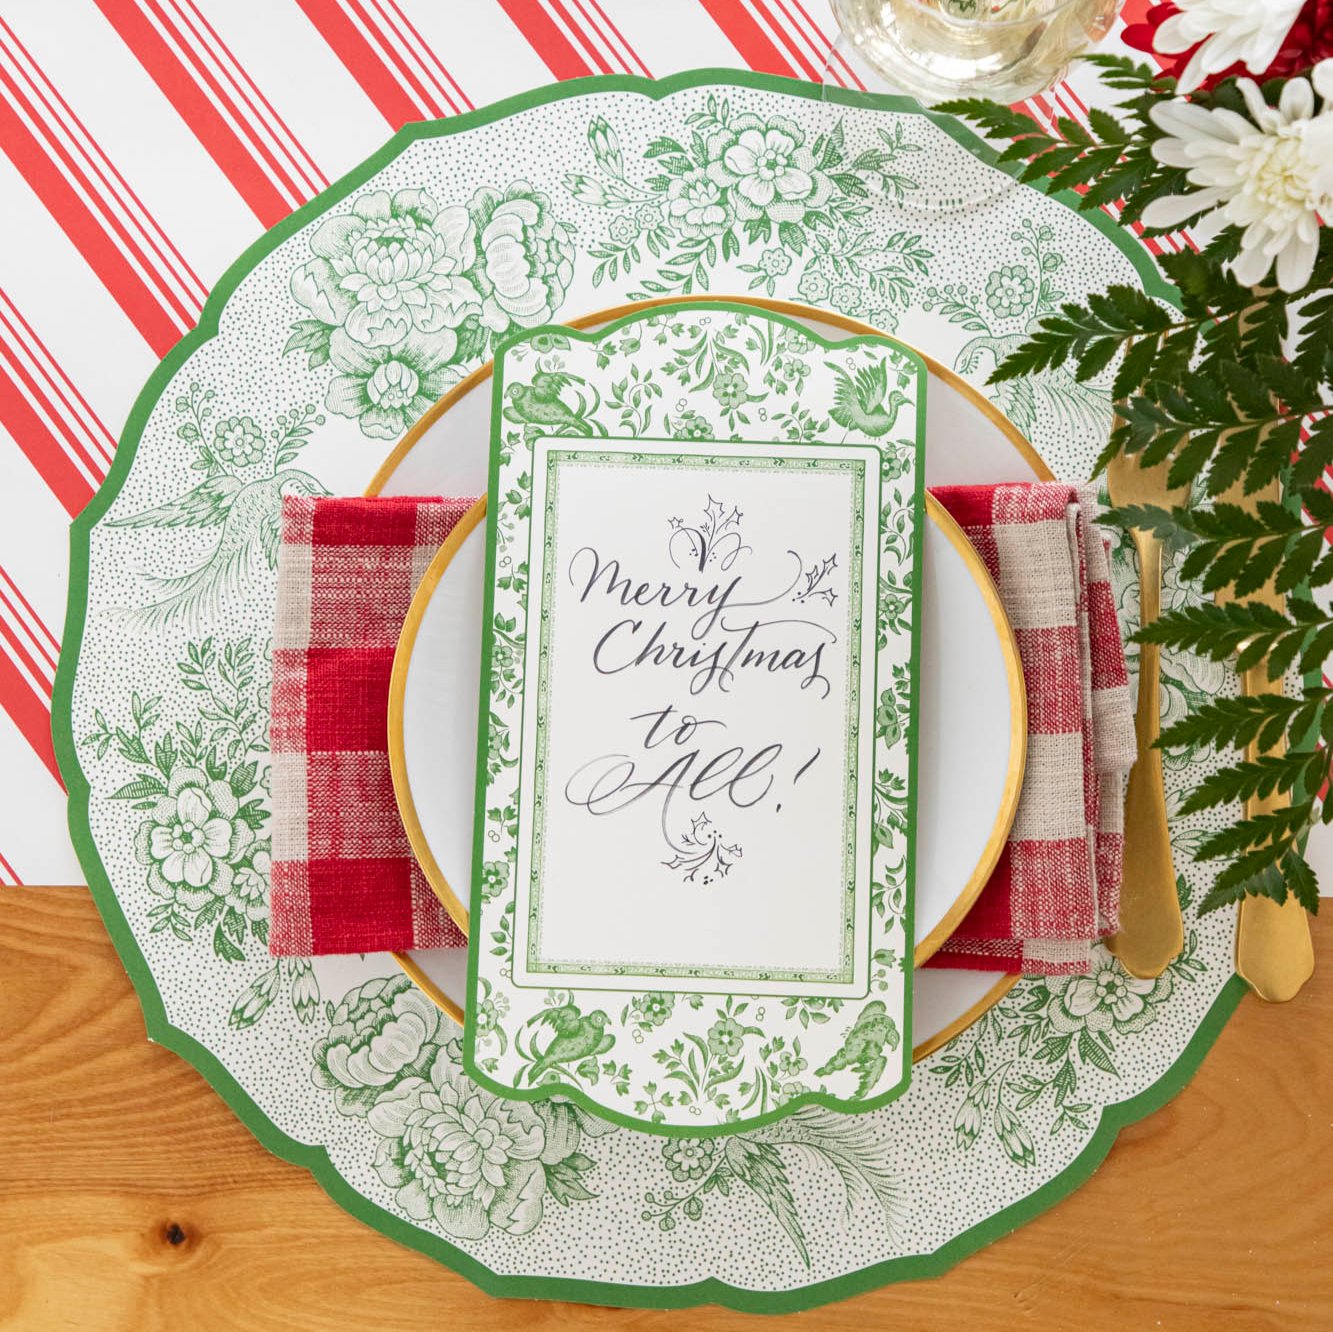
(1309, 41)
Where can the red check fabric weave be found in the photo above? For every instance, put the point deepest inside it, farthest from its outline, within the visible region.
(344, 879)
(1056, 886)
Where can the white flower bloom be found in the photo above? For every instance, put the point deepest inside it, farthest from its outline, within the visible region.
(1270, 175)
(1246, 31)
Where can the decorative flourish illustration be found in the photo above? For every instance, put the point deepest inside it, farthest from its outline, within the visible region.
(702, 851)
(715, 539)
(241, 501)
(814, 578)
(708, 1068)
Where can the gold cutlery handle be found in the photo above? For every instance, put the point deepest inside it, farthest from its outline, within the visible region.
(1274, 952)
(1151, 933)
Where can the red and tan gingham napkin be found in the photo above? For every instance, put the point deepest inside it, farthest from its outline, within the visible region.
(344, 879)
(1056, 886)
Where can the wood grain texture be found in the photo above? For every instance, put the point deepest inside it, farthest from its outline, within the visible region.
(131, 1198)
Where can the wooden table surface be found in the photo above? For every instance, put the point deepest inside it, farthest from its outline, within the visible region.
(131, 1197)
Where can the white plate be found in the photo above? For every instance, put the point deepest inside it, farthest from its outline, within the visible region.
(972, 731)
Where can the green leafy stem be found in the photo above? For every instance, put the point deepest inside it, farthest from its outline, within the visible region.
(1230, 391)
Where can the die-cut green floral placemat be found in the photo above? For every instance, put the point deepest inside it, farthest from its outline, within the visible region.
(328, 338)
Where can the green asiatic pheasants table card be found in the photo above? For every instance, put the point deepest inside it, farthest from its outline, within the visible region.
(696, 782)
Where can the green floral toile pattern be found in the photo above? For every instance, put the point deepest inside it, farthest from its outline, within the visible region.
(199, 783)
(452, 1152)
(793, 206)
(1016, 295)
(1038, 1041)
(690, 373)
(239, 413)
(404, 296)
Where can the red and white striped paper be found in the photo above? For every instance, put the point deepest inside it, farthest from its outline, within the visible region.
(145, 143)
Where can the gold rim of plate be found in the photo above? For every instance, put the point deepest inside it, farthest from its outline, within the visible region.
(935, 511)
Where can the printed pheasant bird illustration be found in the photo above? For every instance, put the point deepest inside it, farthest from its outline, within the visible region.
(576, 1038)
(864, 402)
(1054, 396)
(248, 514)
(873, 1032)
(540, 404)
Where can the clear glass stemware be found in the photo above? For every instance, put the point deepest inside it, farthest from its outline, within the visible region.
(1005, 50)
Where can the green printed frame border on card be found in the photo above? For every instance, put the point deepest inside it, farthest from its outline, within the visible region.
(682, 970)
(475, 936)
(168, 1031)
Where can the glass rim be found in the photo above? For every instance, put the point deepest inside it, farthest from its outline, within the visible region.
(1035, 11)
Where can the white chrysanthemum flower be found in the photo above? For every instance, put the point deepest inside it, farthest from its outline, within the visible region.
(1270, 175)
(1250, 32)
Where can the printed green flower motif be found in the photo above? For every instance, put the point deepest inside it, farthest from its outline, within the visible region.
(730, 390)
(968, 1119)
(1107, 999)
(1009, 290)
(887, 721)
(487, 1015)
(545, 343)
(688, 1159)
(623, 229)
(386, 389)
(725, 1037)
(305, 989)
(790, 1064)
(454, 1152)
(525, 257)
(391, 266)
(249, 887)
(238, 442)
(847, 297)
(769, 171)
(494, 878)
(775, 262)
(697, 204)
(504, 663)
(690, 425)
(189, 838)
(381, 1033)
(656, 1007)
(1014, 1138)
(648, 216)
(813, 286)
(894, 465)
(787, 373)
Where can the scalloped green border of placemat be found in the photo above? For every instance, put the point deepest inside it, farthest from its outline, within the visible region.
(315, 1159)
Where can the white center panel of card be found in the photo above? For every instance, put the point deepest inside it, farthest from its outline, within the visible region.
(609, 891)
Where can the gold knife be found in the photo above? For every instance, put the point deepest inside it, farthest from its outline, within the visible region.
(1274, 952)
(1150, 933)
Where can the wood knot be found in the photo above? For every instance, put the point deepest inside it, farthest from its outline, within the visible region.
(174, 1234)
